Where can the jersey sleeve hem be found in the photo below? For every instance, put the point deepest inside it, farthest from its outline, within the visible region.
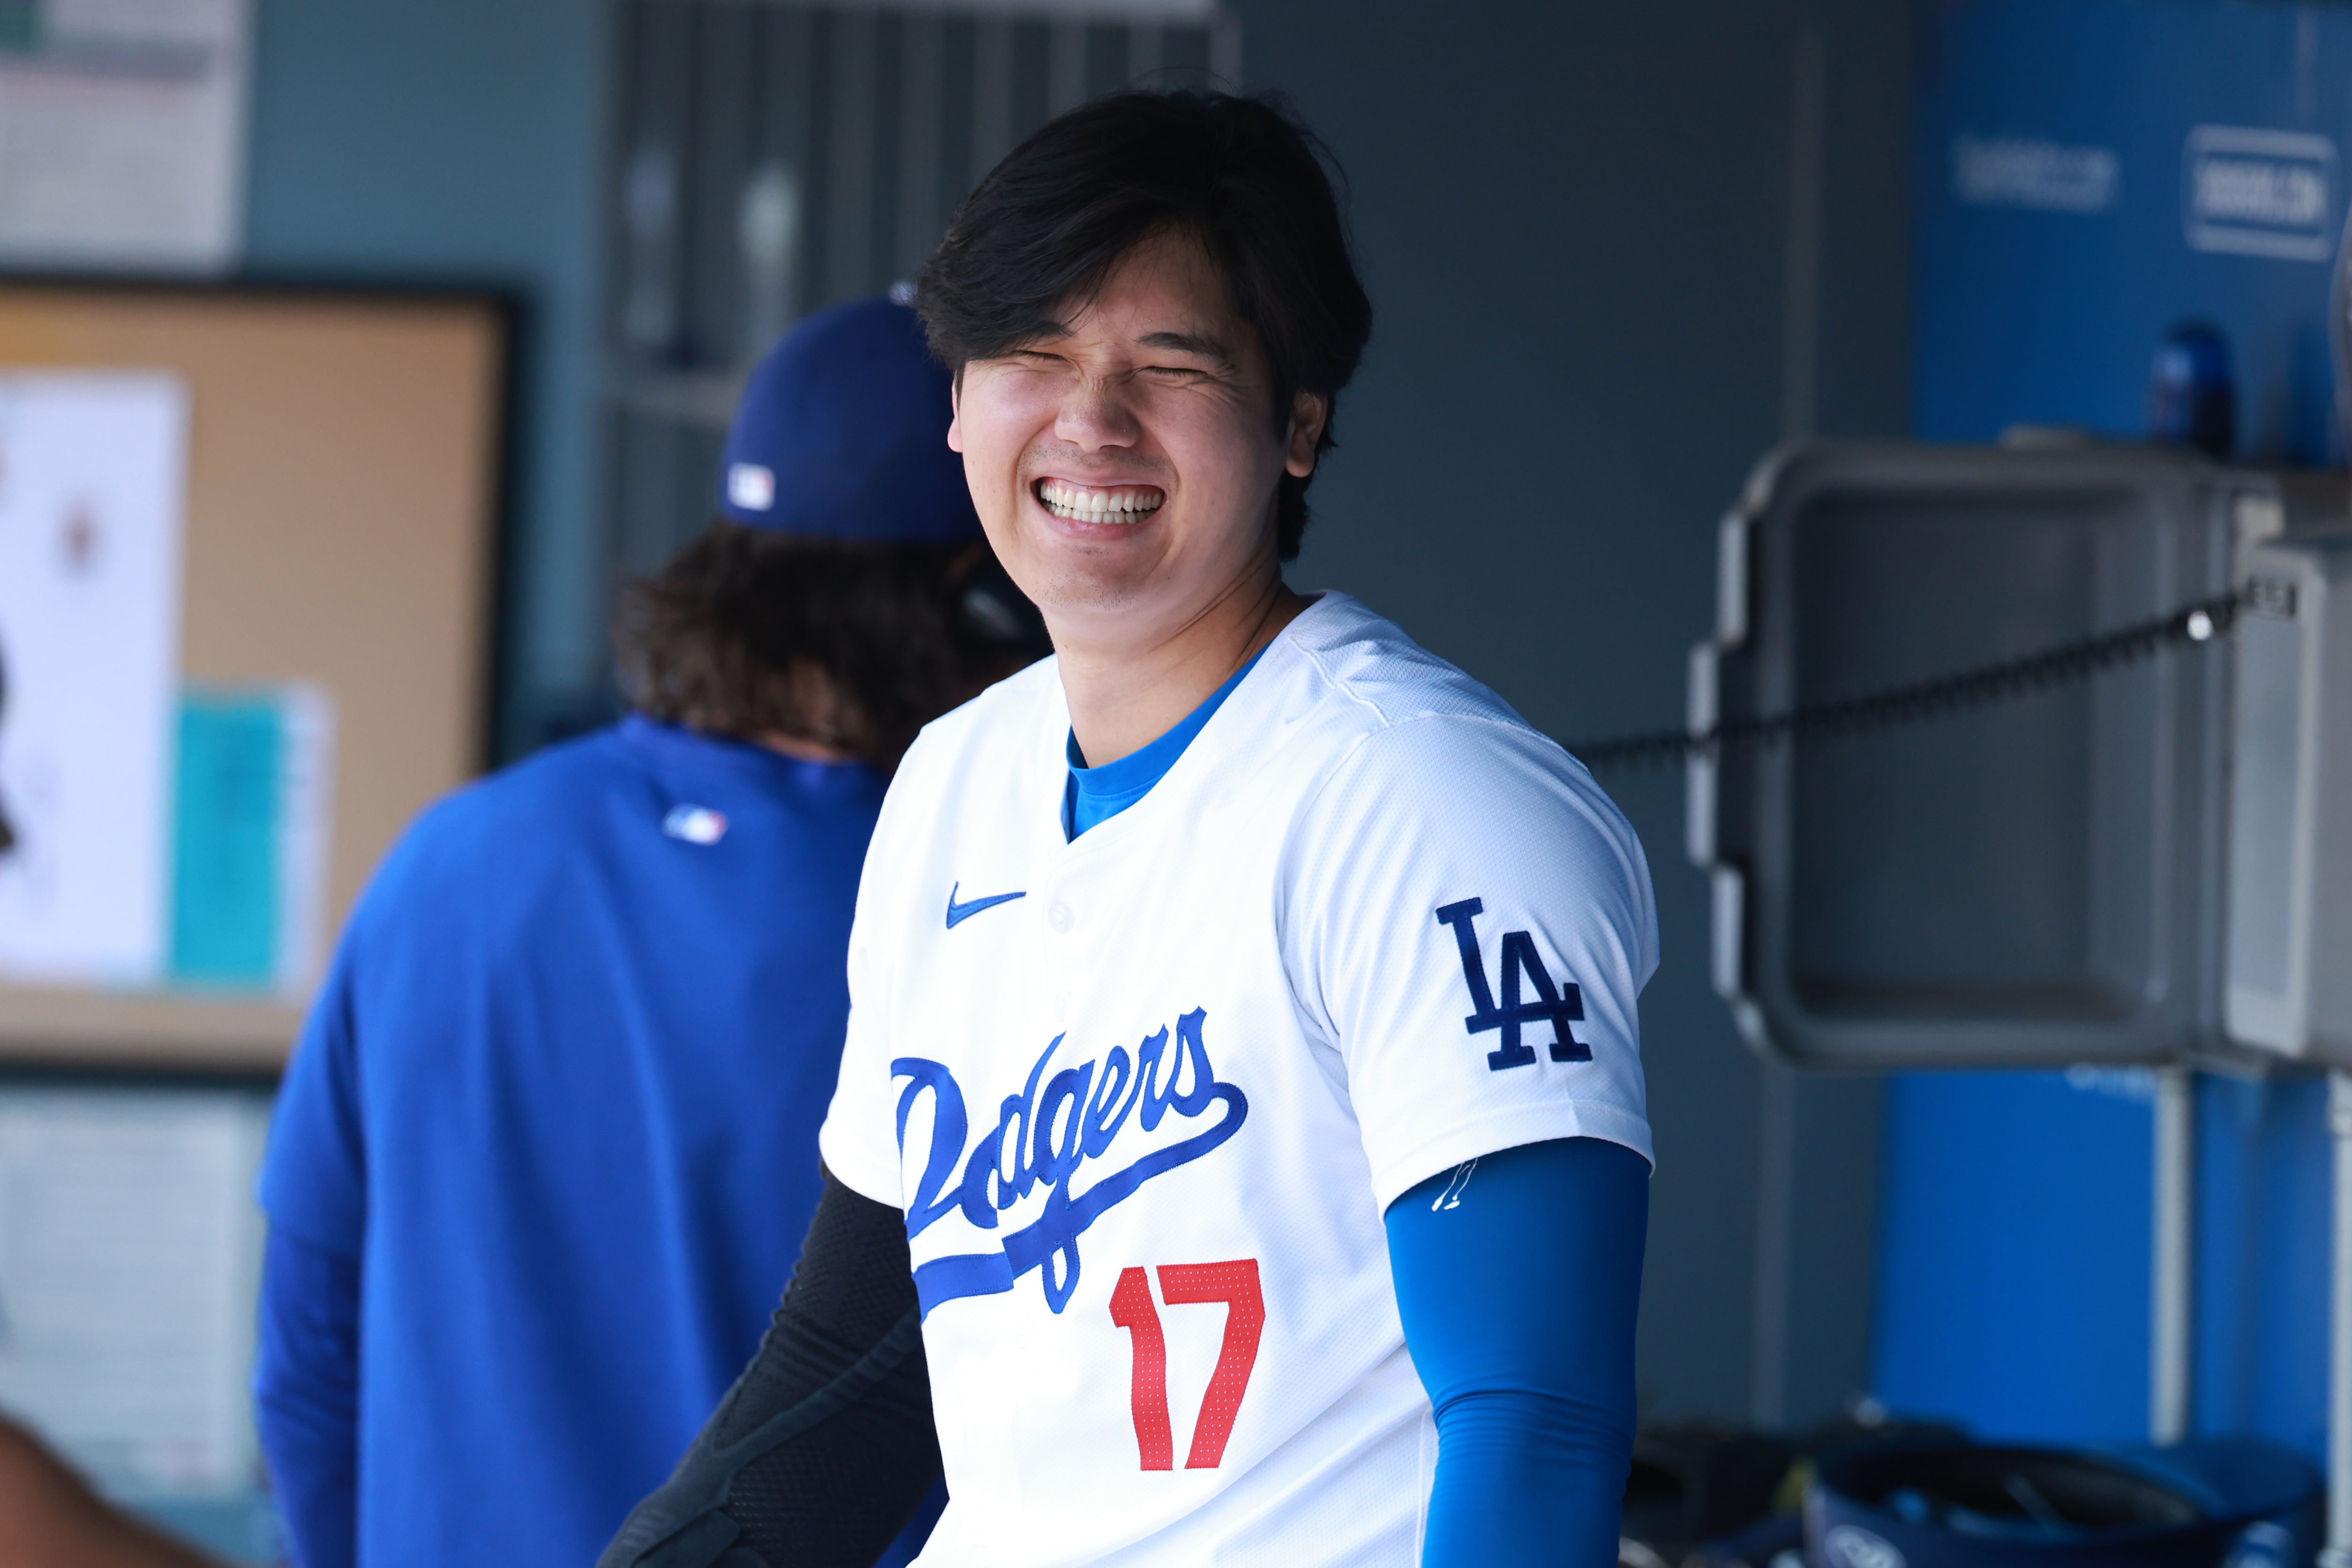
(1450, 1146)
(875, 1180)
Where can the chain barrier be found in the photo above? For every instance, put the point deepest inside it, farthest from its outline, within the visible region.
(2189, 626)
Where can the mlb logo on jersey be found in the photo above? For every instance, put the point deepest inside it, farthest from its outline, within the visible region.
(695, 824)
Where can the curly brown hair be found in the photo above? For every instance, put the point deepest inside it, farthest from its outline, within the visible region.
(848, 643)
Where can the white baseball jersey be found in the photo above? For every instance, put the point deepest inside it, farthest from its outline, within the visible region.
(1144, 1096)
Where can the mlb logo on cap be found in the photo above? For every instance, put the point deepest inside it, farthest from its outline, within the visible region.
(751, 486)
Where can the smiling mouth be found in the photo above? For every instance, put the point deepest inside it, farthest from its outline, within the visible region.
(1119, 504)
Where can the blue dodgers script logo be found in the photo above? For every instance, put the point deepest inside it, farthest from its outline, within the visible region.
(1046, 1137)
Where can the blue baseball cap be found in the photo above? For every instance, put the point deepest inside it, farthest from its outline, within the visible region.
(843, 434)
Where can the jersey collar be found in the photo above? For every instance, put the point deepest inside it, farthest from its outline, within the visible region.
(675, 748)
(1252, 707)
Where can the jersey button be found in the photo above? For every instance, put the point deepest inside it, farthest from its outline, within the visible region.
(1060, 918)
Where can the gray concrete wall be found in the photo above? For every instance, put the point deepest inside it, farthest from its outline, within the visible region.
(439, 141)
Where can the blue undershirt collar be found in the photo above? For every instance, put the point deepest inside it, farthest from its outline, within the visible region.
(1095, 795)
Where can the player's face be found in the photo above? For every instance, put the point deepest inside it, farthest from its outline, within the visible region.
(1124, 461)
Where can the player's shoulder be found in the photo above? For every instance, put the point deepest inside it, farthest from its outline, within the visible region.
(1418, 746)
(1380, 676)
(1399, 716)
(522, 790)
(506, 820)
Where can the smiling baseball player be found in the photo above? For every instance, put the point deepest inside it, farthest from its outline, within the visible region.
(1242, 1121)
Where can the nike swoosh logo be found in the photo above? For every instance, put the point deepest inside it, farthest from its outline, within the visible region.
(959, 913)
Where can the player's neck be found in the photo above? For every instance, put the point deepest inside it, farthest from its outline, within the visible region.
(1124, 696)
(800, 748)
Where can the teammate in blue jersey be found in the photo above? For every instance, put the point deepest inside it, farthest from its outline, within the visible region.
(547, 1147)
(1242, 1118)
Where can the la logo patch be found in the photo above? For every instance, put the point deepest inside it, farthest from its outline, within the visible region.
(1558, 1005)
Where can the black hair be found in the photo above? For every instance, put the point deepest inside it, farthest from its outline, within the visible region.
(853, 644)
(1239, 176)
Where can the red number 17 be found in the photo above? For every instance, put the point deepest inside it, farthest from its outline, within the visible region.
(1132, 1308)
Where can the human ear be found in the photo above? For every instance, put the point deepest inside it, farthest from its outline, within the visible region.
(955, 414)
(1308, 414)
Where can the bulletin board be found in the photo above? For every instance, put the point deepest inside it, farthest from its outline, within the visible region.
(246, 547)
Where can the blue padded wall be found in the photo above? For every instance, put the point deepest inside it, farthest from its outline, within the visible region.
(2059, 223)
(2086, 174)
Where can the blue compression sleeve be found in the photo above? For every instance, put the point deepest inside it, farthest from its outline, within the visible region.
(305, 1395)
(1517, 1276)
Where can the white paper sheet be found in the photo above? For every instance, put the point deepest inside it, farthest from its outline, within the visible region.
(130, 1255)
(93, 477)
(122, 133)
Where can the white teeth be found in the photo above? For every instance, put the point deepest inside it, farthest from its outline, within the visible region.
(1098, 506)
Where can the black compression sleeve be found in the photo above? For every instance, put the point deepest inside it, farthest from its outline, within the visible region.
(819, 1455)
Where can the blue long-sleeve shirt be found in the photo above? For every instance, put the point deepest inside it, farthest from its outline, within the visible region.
(545, 1152)
(306, 1365)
